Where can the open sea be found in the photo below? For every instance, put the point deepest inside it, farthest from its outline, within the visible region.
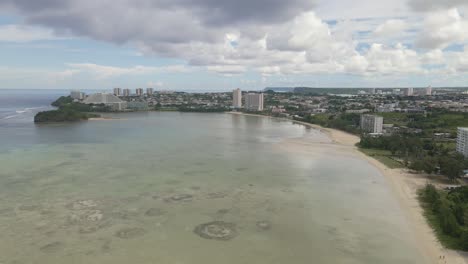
(187, 188)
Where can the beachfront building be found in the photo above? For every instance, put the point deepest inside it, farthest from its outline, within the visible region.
(139, 91)
(117, 91)
(462, 141)
(126, 92)
(107, 99)
(237, 98)
(77, 95)
(149, 91)
(254, 101)
(372, 124)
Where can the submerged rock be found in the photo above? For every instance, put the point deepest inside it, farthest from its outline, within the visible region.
(217, 230)
(155, 212)
(29, 207)
(222, 211)
(130, 232)
(52, 247)
(92, 228)
(263, 225)
(82, 205)
(179, 198)
(216, 195)
(94, 216)
(85, 216)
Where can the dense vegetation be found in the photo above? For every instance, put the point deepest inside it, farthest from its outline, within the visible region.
(447, 212)
(69, 111)
(422, 155)
(65, 115)
(435, 121)
(66, 102)
(345, 122)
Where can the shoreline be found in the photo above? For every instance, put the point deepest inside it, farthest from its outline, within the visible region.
(404, 187)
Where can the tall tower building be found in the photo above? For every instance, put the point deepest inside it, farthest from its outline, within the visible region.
(149, 91)
(117, 91)
(254, 101)
(237, 98)
(409, 91)
(139, 91)
(429, 90)
(126, 92)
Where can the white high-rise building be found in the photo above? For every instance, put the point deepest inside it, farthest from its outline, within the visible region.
(372, 124)
(429, 90)
(462, 141)
(149, 91)
(139, 91)
(77, 95)
(126, 92)
(237, 98)
(409, 91)
(254, 101)
(117, 91)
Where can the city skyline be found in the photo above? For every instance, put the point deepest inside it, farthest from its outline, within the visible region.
(402, 43)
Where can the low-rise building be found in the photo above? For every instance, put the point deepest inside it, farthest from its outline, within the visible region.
(138, 106)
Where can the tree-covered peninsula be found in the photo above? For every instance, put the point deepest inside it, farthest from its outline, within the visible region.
(69, 111)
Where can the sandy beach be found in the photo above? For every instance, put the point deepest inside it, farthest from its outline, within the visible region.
(403, 184)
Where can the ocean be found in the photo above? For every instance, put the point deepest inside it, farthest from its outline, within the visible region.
(168, 187)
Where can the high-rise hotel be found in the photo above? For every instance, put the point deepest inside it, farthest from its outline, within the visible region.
(254, 101)
(237, 98)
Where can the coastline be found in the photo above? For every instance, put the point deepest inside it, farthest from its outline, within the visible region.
(404, 186)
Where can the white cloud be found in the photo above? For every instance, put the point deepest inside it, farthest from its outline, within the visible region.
(443, 28)
(104, 72)
(391, 28)
(268, 37)
(21, 33)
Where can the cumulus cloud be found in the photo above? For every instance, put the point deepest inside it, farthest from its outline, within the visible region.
(442, 28)
(103, 71)
(391, 28)
(268, 36)
(430, 5)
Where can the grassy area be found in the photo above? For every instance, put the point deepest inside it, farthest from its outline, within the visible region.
(383, 156)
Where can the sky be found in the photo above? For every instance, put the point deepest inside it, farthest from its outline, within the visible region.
(219, 45)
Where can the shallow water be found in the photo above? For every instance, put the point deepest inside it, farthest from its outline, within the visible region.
(134, 190)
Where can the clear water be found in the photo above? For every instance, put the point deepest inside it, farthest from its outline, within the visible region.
(133, 190)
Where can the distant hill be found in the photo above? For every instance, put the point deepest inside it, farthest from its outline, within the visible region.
(338, 90)
(280, 89)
